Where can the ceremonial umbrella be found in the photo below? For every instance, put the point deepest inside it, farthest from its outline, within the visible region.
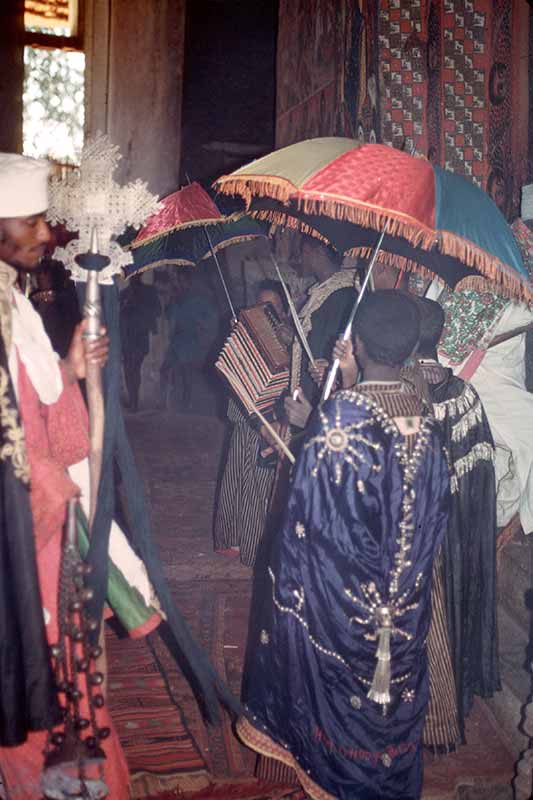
(189, 228)
(433, 221)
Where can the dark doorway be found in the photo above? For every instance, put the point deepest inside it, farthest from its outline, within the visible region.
(229, 85)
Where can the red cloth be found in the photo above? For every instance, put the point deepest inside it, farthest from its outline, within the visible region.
(375, 176)
(56, 436)
(180, 209)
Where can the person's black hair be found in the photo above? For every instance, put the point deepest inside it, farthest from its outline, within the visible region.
(269, 285)
(335, 255)
(432, 320)
(388, 323)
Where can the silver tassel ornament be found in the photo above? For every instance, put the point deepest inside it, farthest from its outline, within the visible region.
(379, 691)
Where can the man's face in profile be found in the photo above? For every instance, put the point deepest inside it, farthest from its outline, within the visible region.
(23, 241)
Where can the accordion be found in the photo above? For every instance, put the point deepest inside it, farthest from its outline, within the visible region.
(254, 360)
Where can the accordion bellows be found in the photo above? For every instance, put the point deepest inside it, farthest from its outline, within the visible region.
(254, 360)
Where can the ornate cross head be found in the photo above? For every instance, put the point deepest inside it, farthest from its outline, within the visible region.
(90, 198)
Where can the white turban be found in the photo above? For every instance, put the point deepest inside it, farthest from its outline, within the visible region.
(23, 186)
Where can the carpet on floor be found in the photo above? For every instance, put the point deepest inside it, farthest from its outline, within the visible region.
(255, 790)
(170, 749)
(217, 612)
(159, 748)
(485, 762)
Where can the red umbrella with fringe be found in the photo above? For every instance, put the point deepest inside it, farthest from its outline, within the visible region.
(187, 229)
(434, 221)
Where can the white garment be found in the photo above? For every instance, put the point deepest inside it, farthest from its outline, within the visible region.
(30, 340)
(120, 550)
(500, 381)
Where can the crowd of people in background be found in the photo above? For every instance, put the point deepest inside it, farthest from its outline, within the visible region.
(374, 616)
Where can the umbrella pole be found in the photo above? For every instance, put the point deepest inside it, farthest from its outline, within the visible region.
(221, 275)
(93, 263)
(348, 330)
(294, 314)
(95, 401)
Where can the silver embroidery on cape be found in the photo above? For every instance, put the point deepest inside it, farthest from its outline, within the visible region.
(480, 452)
(468, 421)
(295, 612)
(338, 439)
(338, 443)
(456, 406)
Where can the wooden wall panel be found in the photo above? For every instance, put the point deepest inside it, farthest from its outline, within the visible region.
(134, 84)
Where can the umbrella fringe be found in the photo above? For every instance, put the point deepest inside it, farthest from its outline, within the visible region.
(370, 217)
(280, 220)
(479, 283)
(217, 248)
(249, 187)
(184, 262)
(505, 280)
(508, 282)
(394, 260)
(163, 262)
(182, 226)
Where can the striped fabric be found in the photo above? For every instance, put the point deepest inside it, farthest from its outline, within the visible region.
(269, 769)
(245, 491)
(159, 748)
(441, 731)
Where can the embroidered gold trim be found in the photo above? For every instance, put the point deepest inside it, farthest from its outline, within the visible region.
(13, 447)
(263, 744)
(8, 276)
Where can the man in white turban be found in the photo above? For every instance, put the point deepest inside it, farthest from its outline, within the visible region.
(43, 433)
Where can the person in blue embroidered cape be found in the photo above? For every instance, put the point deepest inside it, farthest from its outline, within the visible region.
(336, 679)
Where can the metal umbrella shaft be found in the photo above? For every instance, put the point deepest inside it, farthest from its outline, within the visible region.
(93, 262)
(348, 330)
(220, 273)
(95, 396)
(294, 314)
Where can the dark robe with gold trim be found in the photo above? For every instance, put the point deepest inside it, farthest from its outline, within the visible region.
(28, 700)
